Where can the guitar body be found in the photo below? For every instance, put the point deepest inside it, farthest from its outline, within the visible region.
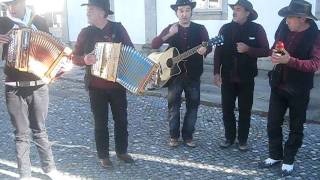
(165, 72)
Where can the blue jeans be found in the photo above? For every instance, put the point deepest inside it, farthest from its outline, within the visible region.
(28, 109)
(191, 89)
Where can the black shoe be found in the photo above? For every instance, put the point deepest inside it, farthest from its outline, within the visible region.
(226, 144)
(106, 163)
(264, 164)
(125, 158)
(243, 146)
(190, 143)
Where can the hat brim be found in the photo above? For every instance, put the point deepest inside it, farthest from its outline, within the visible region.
(253, 14)
(285, 12)
(90, 4)
(175, 6)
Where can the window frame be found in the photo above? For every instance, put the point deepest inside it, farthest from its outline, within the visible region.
(212, 14)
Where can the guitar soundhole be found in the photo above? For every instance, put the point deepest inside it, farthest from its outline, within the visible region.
(170, 63)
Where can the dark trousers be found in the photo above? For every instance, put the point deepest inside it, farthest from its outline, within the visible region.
(280, 101)
(191, 89)
(28, 109)
(100, 100)
(244, 92)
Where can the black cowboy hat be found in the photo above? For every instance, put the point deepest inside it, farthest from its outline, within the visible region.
(298, 8)
(183, 3)
(248, 6)
(104, 4)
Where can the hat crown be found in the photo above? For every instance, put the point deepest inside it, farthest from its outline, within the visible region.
(182, 2)
(300, 6)
(244, 3)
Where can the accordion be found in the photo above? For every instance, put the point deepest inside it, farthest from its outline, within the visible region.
(123, 64)
(37, 52)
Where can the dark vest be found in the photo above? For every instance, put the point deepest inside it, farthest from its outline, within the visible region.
(194, 64)
(296, 80)
(93, 34)
(242, 64)
(6, 25)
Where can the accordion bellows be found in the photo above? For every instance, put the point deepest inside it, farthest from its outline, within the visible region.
(37, 52)
(123, 64)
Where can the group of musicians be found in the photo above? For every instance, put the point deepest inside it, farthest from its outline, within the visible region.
(235, 67)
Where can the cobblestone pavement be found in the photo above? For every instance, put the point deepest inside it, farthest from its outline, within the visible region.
(70, 128)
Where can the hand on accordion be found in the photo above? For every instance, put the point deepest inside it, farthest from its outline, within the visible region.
(4, 39)
(90, 59)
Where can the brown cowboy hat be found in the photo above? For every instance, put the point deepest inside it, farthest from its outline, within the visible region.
(298, 8)
(248, 6)
(104, 4)
(183, 3)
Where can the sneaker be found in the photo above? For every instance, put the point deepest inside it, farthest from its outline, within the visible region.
(55, 175)
(190, 143)
(106, 163)
(125, 158)
(173, 142)
(226, 144)
(243, 146)
(268, 163)
(286, 170)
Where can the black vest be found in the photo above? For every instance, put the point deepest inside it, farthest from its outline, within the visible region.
(297, 80)
(194, 64)
(244, 65)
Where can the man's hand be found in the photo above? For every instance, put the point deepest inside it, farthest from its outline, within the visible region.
(173, 29)
(217, 80)
(280, 59)
(242, 47)
(90, 59)
(202, 50)
(4, 39)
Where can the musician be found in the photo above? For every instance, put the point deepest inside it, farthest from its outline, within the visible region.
(27, 97)
(296, 67)
(184, 35)
(235, 67)
(103, 93)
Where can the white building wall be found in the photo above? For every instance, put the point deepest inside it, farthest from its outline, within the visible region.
(76, 18)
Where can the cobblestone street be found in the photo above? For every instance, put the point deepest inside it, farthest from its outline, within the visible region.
(70, 129)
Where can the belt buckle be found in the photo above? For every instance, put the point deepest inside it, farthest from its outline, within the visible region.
(23, 83)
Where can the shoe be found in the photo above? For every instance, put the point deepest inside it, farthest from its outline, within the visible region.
(243, 146)
(268, 163)
(125, 158)
(190, 143)
(55, 175)
(106, 163)
(226, 144)
(173, 142)
(286, 170)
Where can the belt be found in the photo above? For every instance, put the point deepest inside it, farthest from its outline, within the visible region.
(25, 83)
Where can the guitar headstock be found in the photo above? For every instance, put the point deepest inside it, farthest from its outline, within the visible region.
(216, 41)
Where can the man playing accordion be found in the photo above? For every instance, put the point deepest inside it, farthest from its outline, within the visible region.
(27, 96)
(103, 92)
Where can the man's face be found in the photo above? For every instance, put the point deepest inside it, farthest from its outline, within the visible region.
(295, 23)
(94, 14)
(184, 14)
(240, 15)
(17, 9)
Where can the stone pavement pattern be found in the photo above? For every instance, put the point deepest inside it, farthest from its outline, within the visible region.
(70, 129)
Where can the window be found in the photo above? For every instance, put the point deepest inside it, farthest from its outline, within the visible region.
(211, 9)
(2, 10)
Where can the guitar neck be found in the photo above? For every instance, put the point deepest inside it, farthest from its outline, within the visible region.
(186, 54)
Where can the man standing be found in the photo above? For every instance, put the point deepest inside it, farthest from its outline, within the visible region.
(291, 81)
(235, 67)
(27, 97)
(103, 92)
(184, 35)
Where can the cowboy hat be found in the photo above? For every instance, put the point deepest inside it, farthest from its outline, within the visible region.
(183, 3)
(298, 8)
(104, 4)
(248, 6)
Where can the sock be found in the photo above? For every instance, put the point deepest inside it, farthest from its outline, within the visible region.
(271, 161)
(287, 167)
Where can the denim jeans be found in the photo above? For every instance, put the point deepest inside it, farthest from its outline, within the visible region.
(100, 99)
(280, 101)
(28, 109)
(191, 89)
